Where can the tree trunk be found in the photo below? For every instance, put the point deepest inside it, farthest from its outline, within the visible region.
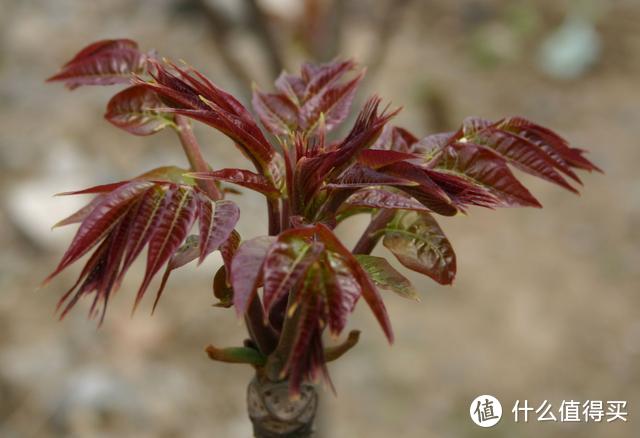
(275, 415)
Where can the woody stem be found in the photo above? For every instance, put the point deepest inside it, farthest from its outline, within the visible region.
(194, 155)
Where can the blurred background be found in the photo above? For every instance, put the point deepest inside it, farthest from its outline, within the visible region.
(546, 303)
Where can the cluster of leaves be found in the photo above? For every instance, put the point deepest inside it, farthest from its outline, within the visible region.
(300, 279)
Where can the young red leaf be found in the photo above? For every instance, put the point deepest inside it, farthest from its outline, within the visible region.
(101, 46)
(554, 145)
(342, 291)
(419, 244)
(105, 62)
(216, 226)
(189, 93)
(286, 264)
(317, 97)
(471, 126)
(246, 270)
(487, 170)
(183, 255)
(523, 154)
(432, 144)
(377, 158)
(424, 189)
(320, 77)
(299, 365)
(358, 176)
(369, 292)
(396, 139)
(89, 281)
(136, 110)
(174, 222)
(124, 220)
(99, 189)
(79, 215)
(462, 191)
(331, 103)
(160, 174)
(380, 198)
(276, 112)
(386, 276)
(228, 250)
(241, 177)
(100, 221)
(142, 225)
(365, 132)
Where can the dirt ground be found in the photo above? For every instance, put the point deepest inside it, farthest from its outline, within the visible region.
(546, 304)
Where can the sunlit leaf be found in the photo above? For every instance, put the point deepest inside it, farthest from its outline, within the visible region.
(386, 276)
(174, 222)
(419, 244)
(483, 168)
(100, 221)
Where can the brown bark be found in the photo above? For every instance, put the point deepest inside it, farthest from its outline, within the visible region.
(275, 415)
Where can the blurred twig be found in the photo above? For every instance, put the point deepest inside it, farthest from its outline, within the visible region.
(258, 22)
(333, 41)
(322, 24)
(436, 109)
(386, 29)
(221, 28)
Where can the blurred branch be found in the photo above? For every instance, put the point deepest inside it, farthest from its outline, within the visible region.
(221, 27)
(435, 107)
(322, 26)
(335, 18)
(259, 24)
(194, 155)
(385, 31)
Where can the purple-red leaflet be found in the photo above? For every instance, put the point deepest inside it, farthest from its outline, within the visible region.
(241, 177)
(304, 102)
(105, 62)
(286, 264)
(485, 169)
(136, 110)
(185, 91)
(369, 291)
(246, 270)
(216, 226)
(380, 198)
(127, 218)
(417, 241)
